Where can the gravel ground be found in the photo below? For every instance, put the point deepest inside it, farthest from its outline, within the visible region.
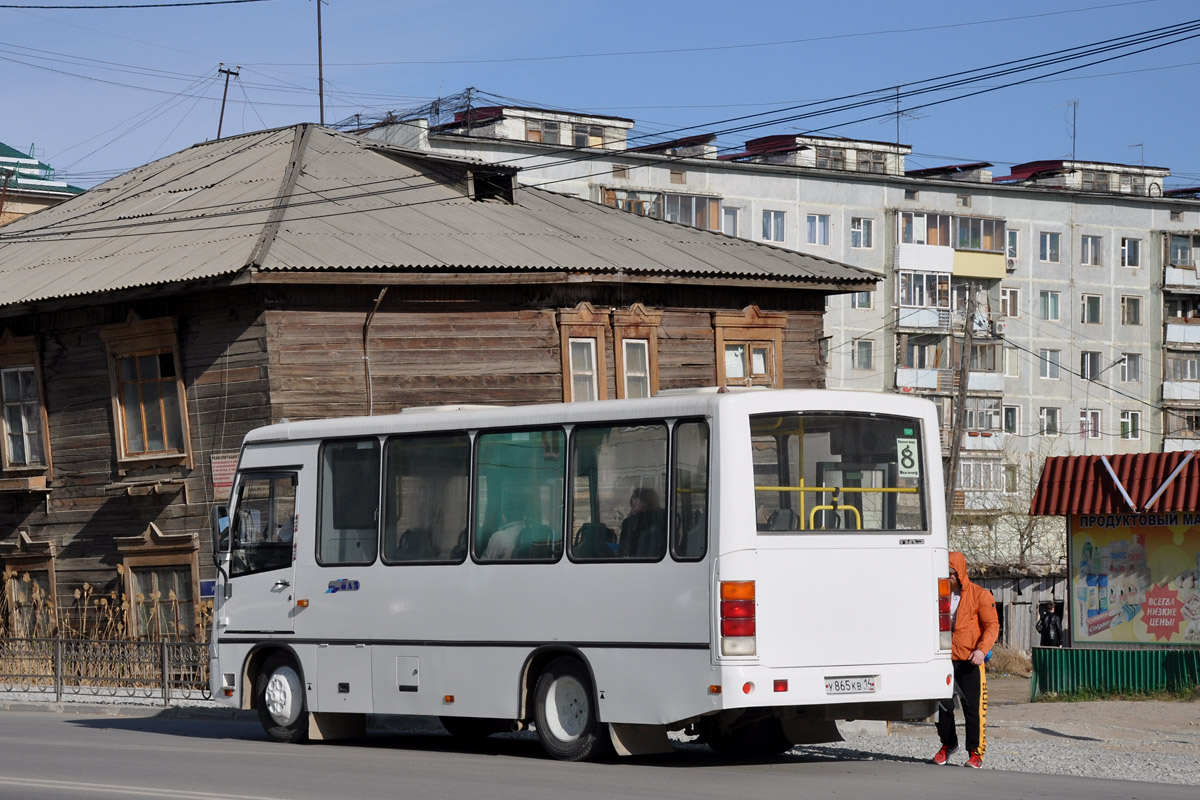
(1148, 740)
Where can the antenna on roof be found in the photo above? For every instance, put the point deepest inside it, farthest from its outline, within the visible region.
(1141, 153)
(1074, 104)
(320, 65)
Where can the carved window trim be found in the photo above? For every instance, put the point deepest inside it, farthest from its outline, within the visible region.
(583, 322)
(153, 548)
(22, 352)
(636, 323)
(751, 327)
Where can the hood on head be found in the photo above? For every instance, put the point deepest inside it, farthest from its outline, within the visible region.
(958, 563)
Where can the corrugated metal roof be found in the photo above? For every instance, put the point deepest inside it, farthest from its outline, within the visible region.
(350, 204)
(1083, 485)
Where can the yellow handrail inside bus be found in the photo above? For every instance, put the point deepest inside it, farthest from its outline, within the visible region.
(881, 489)
(812, 518)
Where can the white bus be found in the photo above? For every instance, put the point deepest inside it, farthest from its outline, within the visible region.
(745, 567)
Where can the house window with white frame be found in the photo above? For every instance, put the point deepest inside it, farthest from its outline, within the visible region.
(861, 299)
(1183, 366)
(1048, 420)
(1089, 365)
(1089, 251)
(1012, 363)
(1010, 302)
(1048, 305)
(977, 474)
(862, 233)
(924, 289)
(1089, 423)
(584, 382)
(1131, 368)
(917, 227)
(1012, 419)
(1048, 363)
(1013, 247)
(863, 354)
(1089, 309)
(24, 437)
(772, 227)
(637, 367)
(1131, 253)
(981, 414)
(1131, 310)
(818, 229)
(1048, 247)
(1131, 425)
(729, 221)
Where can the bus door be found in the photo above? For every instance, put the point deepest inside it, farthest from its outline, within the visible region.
(264, 532)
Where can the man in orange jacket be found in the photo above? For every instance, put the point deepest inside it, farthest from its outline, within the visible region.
(976, 626)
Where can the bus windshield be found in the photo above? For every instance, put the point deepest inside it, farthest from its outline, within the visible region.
(827, 471)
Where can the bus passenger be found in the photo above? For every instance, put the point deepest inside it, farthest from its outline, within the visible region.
(501, 544)
(644, 531)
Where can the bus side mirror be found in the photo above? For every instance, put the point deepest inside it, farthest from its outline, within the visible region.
(220, 529)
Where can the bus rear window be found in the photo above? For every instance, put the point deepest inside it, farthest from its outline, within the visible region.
(823, 471)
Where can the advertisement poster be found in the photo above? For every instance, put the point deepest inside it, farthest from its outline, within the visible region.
(1135, 578)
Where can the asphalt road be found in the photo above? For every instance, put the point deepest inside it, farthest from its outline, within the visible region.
(90, 755)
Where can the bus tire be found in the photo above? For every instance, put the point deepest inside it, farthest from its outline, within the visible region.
(760, 739)
(472, 729)
(565, 713)
(279, 698)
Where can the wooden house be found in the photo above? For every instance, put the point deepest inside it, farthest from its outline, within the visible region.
(148, 324)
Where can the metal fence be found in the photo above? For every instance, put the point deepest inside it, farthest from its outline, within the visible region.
(86, 667)
(1073, 670)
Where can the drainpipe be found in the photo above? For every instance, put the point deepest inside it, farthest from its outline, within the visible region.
(367, 354)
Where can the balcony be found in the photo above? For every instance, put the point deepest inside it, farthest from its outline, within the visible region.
(1181, 276)
(924, 318)
(985, 382)
(1180, 331)
(1181, 390)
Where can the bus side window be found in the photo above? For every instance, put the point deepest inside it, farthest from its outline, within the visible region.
(348, 514)
(519, 495)
(262, 529)
(426, 498)
(689, 504)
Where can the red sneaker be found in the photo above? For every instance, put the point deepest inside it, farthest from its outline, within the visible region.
(941, 757)
(975, 761)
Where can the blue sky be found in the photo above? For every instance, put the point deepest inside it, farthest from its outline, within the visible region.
(98, 92)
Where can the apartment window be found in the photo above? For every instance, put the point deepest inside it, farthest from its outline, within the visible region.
(861, 299)
(1183, 366)
(1089, 423)
(831, 158)
(729, 221)
(1048, 421)
(1131, 425)
(1010, 302)
(772, 227)
(678, 176)
(1048, 303)
(1131, 252)
(862, 233)
(1013, 248)
(1133, 184)
(149, 406)
(986, 235)
(1048, 247)
(1089, 365)
(1089, 251)
(925, 289)
(962, 200)
(1131, 310)
(1048, 363)
(1181, 251)
(1089, 309)
(983, 357)
(749, 348)
(1131, 368)
(1012, 363)
(910, 194)
(543, 131)
(1012, 419)
(863, 354)
(1095, 181)
(620, 172)
(920, 228)
(1176, 216)
(981, 414)
(699, 212)
(588, 136)
(872, 161)
(818, 229)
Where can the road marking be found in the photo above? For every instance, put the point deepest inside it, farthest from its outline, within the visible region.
(124, 791)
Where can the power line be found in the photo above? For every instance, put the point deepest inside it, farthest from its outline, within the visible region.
(129, 5)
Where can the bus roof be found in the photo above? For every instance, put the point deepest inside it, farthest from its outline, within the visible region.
(699, 403)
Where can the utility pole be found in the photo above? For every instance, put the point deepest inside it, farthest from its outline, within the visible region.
(1074, 116)
(320, 66)
(4, 193)
(226, 72)
(960, 404)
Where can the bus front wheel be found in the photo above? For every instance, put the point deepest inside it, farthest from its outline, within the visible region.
(279, 697)
(565, 713)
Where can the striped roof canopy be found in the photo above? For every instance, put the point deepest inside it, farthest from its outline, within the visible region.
(1120, 484)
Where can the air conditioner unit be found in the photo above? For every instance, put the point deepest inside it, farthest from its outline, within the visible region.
(1010, 265)
(999, 327)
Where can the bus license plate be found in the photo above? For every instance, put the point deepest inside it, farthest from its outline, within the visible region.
(858, 684)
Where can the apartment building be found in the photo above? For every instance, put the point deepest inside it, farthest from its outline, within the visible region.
(1065, 291)
(27, 185)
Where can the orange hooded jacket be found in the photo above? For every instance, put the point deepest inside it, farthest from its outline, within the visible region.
(976, 625)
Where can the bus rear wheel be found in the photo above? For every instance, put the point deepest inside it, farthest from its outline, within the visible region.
(279, 698)
(565, 713)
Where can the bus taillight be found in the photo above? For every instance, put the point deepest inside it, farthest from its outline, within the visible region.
(737, 618)
(945, 631)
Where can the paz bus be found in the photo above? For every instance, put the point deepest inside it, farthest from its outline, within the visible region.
(744, 568)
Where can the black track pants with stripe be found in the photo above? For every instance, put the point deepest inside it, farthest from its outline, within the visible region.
(970, 683)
